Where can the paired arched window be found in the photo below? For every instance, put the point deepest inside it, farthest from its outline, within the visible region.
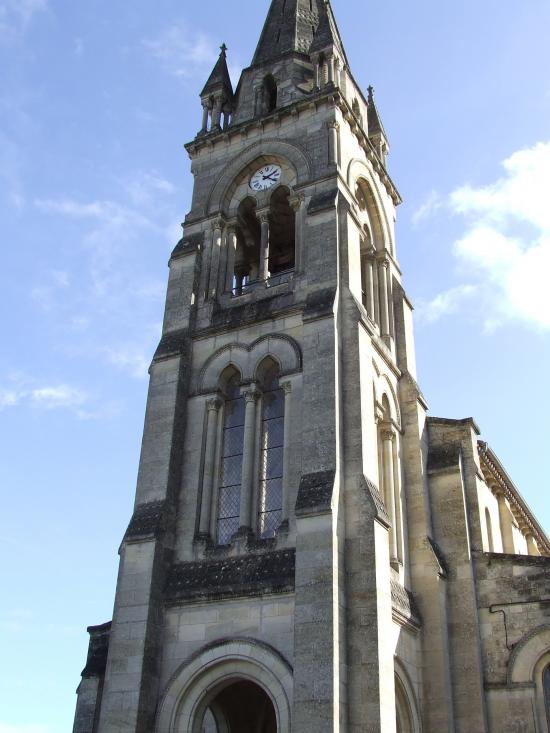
(265, 248)
(243, 482)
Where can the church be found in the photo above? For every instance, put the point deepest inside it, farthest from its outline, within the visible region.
(310, 551)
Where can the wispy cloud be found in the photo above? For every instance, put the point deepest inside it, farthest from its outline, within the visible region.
(186, 52)
(433, 202)
(181, 50)
(16, 16)
(56, 397)
(444, 304)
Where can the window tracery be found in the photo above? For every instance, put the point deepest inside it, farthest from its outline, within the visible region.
(271, 454)
(229, 492)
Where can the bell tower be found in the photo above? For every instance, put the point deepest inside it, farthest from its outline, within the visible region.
(265, 575)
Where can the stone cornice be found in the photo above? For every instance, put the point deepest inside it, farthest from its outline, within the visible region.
(498, 480)
(333, 97)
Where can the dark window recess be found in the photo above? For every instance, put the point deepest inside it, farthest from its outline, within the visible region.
(270, 94)
(282, 233)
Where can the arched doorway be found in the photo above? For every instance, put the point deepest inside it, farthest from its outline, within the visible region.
(240, 707)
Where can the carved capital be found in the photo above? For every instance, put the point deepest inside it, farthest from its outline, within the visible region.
(218, 224)
(214, 404)
(286, 387)
(387, 434)
(251, 394)
(263, 216)
(296, 202)
(333, 125)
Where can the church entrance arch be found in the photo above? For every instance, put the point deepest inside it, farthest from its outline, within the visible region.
(239, 706)
(233, 686)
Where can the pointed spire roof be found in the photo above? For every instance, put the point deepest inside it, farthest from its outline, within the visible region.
(327, 33)
(219, 79)
(374, 120)
(291, 26)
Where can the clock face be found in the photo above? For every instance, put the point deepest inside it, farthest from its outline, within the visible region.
(265, 178)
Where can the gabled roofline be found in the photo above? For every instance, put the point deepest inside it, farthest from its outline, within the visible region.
(493, 468)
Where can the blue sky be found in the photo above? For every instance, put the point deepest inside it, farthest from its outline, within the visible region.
(96, 101)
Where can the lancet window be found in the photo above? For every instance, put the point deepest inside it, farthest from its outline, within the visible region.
(271, 454)
(229, 492)
(390, 480)
(376, 276)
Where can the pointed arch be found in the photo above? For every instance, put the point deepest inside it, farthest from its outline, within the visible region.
(359, 170)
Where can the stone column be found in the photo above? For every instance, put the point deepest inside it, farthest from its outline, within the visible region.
(264, 247)
(217, 227)
(213, 408)
(231, 253)
(388, 437)
(216, 113)
(287, 389)
(296, 205)
(333, 128)
(505, 520)
(205, 112)
(383, 268)
(331, 69)
(247, 484)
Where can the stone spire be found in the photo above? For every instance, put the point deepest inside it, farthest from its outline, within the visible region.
(289, 28)
(327, 36)
(219, 80)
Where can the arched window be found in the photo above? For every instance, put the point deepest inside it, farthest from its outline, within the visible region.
(546, 688)
(489, 525)
(270, 94)
(403, 714)
(270, 504)
(229, 492)
(389, 480)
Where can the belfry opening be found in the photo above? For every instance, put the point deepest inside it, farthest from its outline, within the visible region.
(240, 707)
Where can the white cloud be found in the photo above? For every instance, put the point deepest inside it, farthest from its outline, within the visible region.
(16, 15)
(428, 208)
(506, 246)
(444, 304)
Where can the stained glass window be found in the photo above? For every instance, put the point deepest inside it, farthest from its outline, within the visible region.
(271, 457)
(546, 687)
(229, 495)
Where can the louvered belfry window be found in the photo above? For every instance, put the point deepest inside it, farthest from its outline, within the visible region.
(271, 456)
(229, 495)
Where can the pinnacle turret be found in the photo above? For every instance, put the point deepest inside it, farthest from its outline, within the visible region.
(217, 96)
